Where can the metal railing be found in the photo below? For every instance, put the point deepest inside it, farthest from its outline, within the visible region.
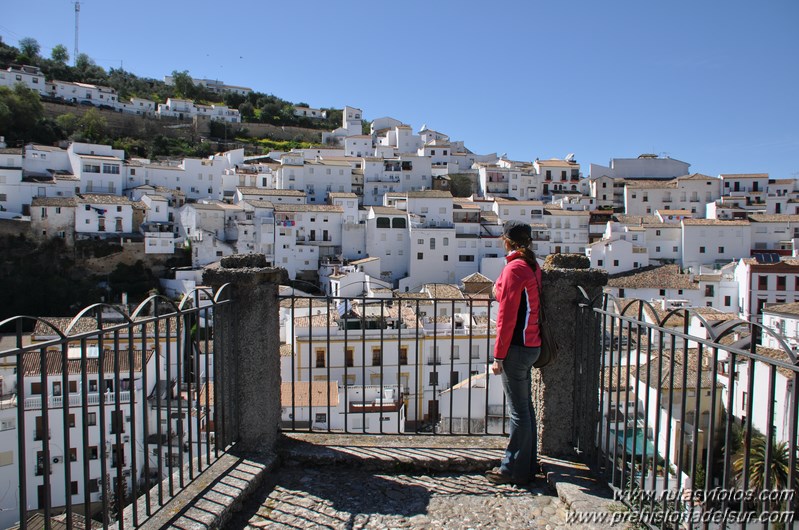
(128, 405)
(697, 416)
(423, 363)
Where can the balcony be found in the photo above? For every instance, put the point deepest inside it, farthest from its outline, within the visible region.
(452, 433)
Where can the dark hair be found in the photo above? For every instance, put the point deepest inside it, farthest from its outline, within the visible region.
(521, 242)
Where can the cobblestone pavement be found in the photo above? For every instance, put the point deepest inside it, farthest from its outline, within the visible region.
(339, 497)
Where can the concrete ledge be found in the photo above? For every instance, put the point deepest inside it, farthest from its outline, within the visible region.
(210, 499)
(580, 491)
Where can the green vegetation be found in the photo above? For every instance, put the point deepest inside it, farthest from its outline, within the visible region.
(281, 145)
(22, 121)
(42, 279)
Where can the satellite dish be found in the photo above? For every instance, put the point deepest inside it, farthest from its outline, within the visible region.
(570, 157)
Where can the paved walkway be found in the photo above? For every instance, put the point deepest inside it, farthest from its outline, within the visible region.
(407, 482)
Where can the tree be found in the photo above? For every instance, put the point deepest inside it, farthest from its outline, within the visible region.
(460, 185)
(60, 54)
(92, 126)
(779, 470)
(21, 112)
(247, 111)
(87, 71)
(68, 123)
(29, 47)
(184, 84)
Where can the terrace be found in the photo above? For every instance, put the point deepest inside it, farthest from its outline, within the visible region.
(309, 422)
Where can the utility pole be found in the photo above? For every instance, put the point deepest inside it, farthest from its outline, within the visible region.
(77, 15)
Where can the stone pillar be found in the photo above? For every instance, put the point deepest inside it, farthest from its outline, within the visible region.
(562, 392)
(247, 351)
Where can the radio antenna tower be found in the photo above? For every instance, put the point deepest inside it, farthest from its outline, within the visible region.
(77, 16)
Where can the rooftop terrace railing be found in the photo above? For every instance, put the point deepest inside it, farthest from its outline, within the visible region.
(127, 405)
(698, 421)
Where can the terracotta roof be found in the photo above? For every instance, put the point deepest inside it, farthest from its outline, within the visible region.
(745, 175)
(713, 222)
(388, 210)
(678, 369)
(697, 176)
(252, 190)
(476, 277)
(31, 363)
(649, 183)
(429, 194)
(791, 308)
(307, 393)
(42, 331)
(93, 198)
(658, 277)
(308, 208)
(54, 201)
(773, 218)
(440, 290)
(342, 195)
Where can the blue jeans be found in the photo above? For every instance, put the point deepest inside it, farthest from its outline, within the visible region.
(520, 460)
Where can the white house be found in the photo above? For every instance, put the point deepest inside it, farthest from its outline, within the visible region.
(712, 241)
(103, 215)
(53, 217)
(647, 166)
(766, 279)
(30, 77)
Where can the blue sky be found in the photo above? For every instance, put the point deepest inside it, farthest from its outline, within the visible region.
(711, 83)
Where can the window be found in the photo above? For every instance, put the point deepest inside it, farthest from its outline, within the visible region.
(663, 292)
(701, 250)
(93, 453)
(420, 255)
(615, 263)
(320, 358)
(727, 301)
(92, 418)
(709, 290)
(433, 378)
(762, 282)
(111, 169)
(432, 243)
(91, 168)
(377, 356)
(446, 257)
(781, 283)
(320, 418)
(463, 258)
(403, 355)
(600, 262)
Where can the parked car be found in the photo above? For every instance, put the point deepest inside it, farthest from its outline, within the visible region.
(87, 103)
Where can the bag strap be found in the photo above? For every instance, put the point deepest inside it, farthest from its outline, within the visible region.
(540, 299)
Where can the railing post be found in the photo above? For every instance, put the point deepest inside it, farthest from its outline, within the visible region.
(565, 393)
(247, 349)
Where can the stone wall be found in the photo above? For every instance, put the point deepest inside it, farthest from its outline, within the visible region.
(247, 351)
(562, 392)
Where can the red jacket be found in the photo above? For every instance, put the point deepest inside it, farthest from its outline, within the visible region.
(517, 291)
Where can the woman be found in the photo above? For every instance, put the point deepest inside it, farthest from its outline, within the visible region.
(517, 347)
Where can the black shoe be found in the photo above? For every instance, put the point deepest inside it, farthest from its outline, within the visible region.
(495, 476)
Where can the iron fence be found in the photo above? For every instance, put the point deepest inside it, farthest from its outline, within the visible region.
(121, 407)
(398, 365)
(697, 416)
